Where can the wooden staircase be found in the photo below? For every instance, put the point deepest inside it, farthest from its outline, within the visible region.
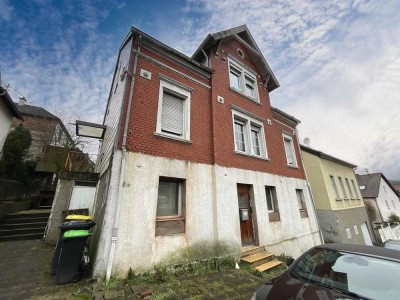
(27, 225)
(261, 259)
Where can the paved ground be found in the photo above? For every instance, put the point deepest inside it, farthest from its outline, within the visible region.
(24, 274)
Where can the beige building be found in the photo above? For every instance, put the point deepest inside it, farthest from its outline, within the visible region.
(340, 209)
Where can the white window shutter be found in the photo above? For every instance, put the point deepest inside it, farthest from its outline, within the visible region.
(172, 114)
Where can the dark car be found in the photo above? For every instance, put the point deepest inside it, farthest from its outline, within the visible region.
(392, 244)
(338, 271)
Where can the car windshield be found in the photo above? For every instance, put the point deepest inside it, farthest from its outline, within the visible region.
(369, 277)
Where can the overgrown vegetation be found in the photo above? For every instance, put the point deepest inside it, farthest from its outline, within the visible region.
(371, 210)
(393, 219)
(13, 164)
(171, 282)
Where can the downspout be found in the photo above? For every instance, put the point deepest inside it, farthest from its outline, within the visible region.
(309, 188)
(114, 237)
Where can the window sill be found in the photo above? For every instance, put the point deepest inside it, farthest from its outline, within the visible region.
(166, 219)
(346, 198)
(166, 136)
(293, 166)
(170, 226)
(255, 100)
(338, 199)
(251, 155)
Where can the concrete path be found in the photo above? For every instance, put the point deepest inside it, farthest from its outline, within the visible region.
(24, 273)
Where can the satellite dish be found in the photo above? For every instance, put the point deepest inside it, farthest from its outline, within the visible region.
(306, 142)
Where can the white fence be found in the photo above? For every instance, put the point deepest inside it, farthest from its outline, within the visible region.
(389, 232)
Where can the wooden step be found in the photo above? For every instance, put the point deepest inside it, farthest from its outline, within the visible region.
(250, 250)
(259, 258)
(269, 265)
(9, 232)
(23, 225)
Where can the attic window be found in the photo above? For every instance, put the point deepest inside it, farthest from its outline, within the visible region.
(240, 52)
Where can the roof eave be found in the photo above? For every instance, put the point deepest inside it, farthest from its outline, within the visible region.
(327, 156)
(10, 104)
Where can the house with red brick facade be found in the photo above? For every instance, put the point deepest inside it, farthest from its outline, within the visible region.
(195, 163)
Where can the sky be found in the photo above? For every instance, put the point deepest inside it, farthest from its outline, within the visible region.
(337, 62)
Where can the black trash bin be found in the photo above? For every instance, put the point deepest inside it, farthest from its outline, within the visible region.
(73, 222)
(72, 246)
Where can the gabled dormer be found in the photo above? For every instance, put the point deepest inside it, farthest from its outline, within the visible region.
(243, 36)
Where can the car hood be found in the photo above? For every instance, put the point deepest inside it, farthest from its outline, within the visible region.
(287, 287)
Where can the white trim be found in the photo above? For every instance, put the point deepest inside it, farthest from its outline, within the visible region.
(249, 122)
(244, 73)
(288, 137)
(155, 61)
(185, 94)
(293, 128)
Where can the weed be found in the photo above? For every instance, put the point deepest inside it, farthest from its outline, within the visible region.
(112, 283)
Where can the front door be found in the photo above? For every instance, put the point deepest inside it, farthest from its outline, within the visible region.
(245, 215)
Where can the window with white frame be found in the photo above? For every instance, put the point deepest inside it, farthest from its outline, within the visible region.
(173, 117)
(300, 199)
(349, 188)
(289, 150)
(272, 204)
(242, 80)
(334, 187)
(342, 187)
(248, 135)
(355, 189)
(271, 199)
(169, 200)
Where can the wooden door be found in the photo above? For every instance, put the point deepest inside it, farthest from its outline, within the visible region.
(245, 215)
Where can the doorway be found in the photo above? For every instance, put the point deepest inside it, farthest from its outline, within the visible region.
(365, 233)
(245, 215)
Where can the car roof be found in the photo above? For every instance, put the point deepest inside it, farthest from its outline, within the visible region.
(363, 249)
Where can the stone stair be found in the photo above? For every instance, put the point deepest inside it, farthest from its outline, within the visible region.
(261, 259)
(25, 225)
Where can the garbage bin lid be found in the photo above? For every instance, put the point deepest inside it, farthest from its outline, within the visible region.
(79, 217)
(77, 233)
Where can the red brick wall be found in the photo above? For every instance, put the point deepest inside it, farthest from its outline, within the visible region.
(143, 118)
(223, 131)
(211, 129)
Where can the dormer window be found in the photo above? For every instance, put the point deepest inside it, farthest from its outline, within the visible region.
(242, 80)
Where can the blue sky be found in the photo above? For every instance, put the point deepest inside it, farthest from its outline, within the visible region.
(338, 62)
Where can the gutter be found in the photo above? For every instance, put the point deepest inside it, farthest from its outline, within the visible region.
(117, 215)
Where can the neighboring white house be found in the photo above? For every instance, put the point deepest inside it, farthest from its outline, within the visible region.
(379, 192)
(8, 110)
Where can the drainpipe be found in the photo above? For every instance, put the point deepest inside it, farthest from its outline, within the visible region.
(309, 189)
(117, 215)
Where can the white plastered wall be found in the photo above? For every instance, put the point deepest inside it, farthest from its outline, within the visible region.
(5, 123)
(212, 218)
(386, 194)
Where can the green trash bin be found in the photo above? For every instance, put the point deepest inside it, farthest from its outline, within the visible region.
(72, 246)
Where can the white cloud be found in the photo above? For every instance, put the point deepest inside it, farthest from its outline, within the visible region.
(338, 63)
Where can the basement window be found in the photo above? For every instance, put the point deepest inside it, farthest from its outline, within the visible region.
(170, 215)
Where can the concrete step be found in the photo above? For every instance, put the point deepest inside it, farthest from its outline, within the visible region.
(23, 225)
(258, 258)
(24, 220)
(27, 215)
(269, 265)
(250, 250)
(10, 232)
(20, 237)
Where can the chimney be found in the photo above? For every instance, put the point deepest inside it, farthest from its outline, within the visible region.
(22, 101)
